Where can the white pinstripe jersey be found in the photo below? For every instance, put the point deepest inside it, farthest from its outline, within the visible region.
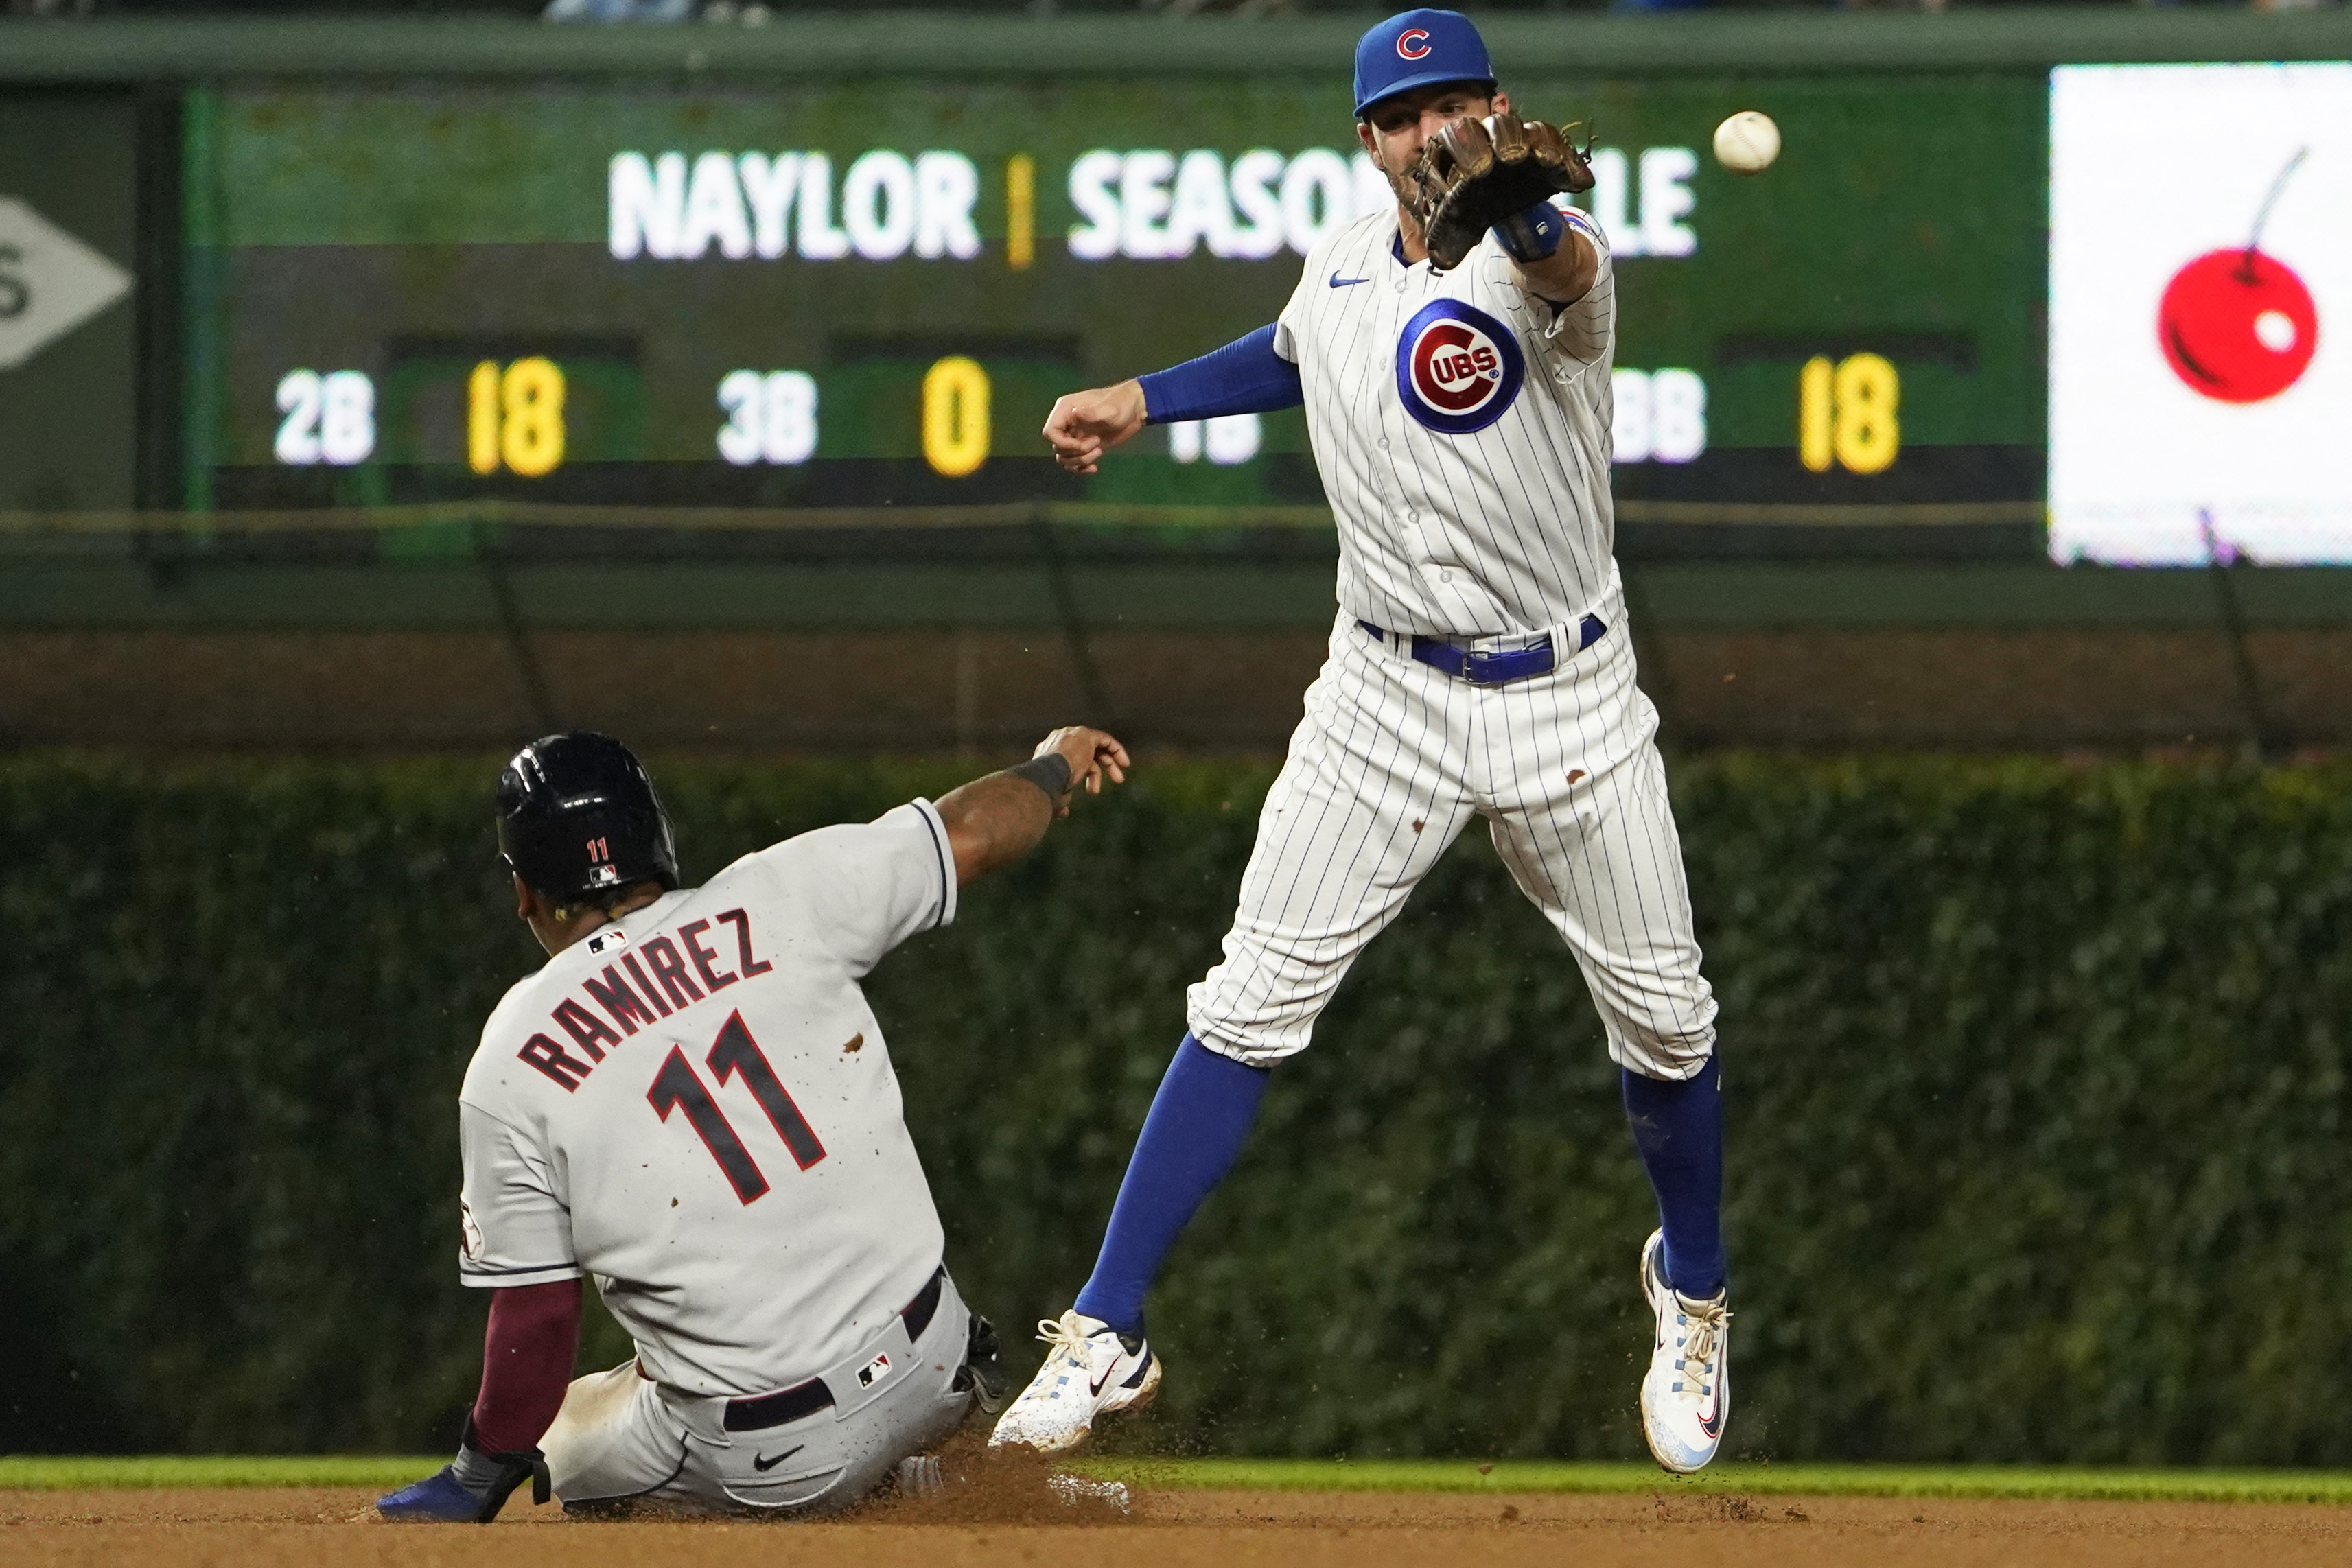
(1461, 430)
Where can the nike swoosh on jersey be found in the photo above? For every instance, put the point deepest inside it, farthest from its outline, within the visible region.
(764, 1464)
(1340, 282)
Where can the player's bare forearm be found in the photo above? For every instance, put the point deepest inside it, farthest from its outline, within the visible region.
(1084, 425)
(995, 820)
(1565, 275)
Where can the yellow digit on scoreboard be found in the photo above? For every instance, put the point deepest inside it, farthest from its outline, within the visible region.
(955, 416)
(1868, 435)
(514, 417)
(482, 418)
(532, 394)
(1816, 435)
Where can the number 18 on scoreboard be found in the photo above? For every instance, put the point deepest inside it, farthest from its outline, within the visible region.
(514, 417)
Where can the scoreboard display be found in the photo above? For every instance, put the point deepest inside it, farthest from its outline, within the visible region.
(870, 293)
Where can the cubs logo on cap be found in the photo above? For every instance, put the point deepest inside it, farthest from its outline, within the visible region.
(1457, 368)
(1417, 48)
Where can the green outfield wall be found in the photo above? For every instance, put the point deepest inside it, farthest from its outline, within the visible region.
(2037, 1077)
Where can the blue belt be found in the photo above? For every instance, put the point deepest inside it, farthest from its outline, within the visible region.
(1490, 669)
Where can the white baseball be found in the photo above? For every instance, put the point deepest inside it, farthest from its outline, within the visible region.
(1747, 142)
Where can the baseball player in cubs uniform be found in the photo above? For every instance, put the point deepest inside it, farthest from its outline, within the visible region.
(693, 1105)
(1479, 668)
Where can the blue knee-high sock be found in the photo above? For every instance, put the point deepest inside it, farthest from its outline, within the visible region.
(1678, 1128)
(1199, 1121)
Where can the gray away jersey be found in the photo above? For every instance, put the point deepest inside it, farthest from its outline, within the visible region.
(694, 1106)
(1461, 430)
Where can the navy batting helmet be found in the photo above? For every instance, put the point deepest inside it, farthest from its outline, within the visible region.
(577, 819)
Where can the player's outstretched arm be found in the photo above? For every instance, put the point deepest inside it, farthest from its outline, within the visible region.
(1248, 375)
(996, 820)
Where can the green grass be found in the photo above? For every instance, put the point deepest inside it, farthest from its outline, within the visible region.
(2065, 1482)
(1851, 1481)
(42, 1472)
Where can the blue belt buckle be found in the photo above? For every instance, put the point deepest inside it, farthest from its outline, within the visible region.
(1515, 664)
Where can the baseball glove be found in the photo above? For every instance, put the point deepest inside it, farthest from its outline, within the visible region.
(1476, 172)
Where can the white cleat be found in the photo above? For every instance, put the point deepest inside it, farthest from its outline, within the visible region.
(1686, 1396)
(1089, 1371)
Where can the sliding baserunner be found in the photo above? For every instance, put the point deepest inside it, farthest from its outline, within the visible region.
(692, 1104)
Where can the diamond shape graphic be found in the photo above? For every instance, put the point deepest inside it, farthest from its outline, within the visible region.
(50, 283)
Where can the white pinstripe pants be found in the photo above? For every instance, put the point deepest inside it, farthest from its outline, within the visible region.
(1389, 764)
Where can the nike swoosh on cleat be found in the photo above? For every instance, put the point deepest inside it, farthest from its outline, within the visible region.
(1095, 1385)
(1340, 282)
(764, 1464)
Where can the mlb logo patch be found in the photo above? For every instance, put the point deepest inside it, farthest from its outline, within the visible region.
(608, 941)
(874, 1371)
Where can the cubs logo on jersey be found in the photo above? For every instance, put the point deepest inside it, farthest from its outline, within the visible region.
(1457, 368)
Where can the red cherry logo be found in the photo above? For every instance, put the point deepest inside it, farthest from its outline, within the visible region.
(2237, 325)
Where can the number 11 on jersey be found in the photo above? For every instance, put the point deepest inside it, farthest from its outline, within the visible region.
(677, 1086)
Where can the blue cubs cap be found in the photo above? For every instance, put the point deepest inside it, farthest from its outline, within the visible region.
(1417, 48)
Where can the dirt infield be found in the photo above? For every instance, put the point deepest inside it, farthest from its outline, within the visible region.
(327, 1527)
